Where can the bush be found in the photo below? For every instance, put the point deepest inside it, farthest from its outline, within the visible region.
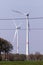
(11, 57)
(16, 57)
(20, 57)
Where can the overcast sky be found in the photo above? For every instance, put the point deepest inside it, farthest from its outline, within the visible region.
(35, 9)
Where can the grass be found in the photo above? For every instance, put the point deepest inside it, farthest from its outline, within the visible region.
(21, 62)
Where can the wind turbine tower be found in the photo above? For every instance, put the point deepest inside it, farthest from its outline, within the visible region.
(27, 35)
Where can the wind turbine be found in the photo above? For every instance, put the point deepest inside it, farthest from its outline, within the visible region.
(17, 34)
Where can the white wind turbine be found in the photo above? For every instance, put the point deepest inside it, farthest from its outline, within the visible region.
(16, 31)
(16, 34)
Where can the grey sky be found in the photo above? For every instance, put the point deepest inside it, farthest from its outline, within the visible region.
(35, 9)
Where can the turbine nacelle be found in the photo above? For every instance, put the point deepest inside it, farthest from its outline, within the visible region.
(18, 27)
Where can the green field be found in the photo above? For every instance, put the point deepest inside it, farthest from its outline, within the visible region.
(21, 62)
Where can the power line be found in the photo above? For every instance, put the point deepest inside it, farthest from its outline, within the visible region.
(36, 18)
(25, 29)
(21, 18)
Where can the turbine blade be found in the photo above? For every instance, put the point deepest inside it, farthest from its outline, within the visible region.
(17, 12)
(14, 35)
(14, 24)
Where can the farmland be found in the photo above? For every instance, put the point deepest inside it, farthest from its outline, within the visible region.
(21, 62)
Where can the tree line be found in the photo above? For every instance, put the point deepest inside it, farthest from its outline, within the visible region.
(6, 47)
(22, 57)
